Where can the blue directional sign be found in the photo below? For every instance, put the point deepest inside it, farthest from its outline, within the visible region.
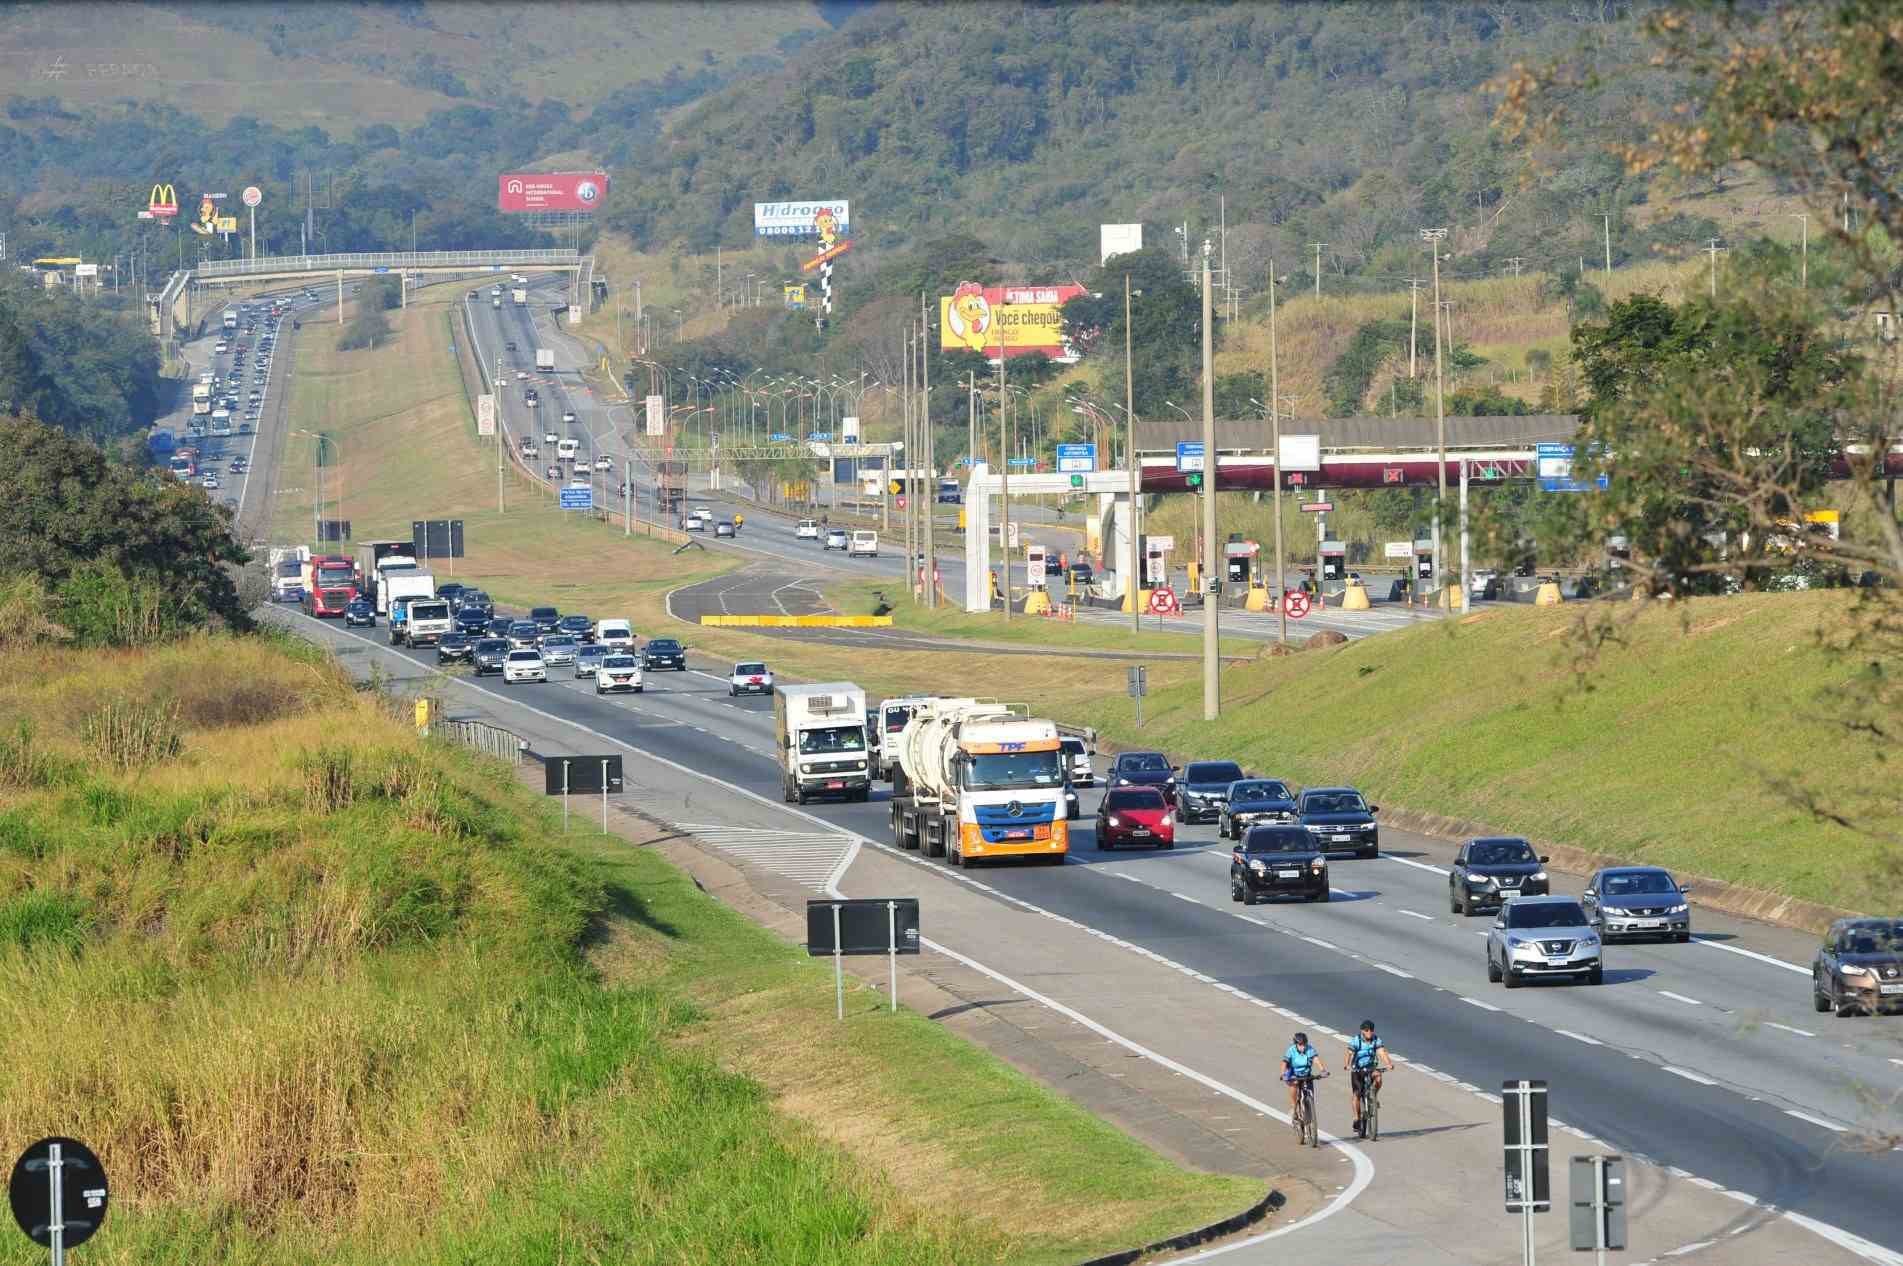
(1024, 461)
(578, 498)
(820, 436)
(1189, 455)
(1076, 459)
(779, 437)
(1554, 468)
(381, 268)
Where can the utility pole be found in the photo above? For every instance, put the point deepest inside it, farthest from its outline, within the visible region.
(1004, 481)
(1712, 250)
(1275, 414)
(1212, 684)
(1803, 220)
(1434, 237)
(930, 501)
(971, 419)
(496, 387)
(1317, 248)
(1414, 285)
(1133, 584)
(905, 470)
(1608, 220)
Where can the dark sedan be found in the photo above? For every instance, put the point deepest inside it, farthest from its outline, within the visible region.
(1277, 861)
(477, 600)
(579, 627)
(489, 654)
(499, 625)
(524, 635)
(359, 611)
(1338, 818)
(545, 618)
(1255, 801)
(664, 652)
(1488, 871)
(1203, 788)
(451, 593)
(1859, 967)
(1638, 901)
(472, 622)
(1144, 769)
(454, 648)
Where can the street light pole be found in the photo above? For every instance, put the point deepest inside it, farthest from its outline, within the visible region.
(1275, 415)
(1212, 685)
(930, 499)
(1433, 238)
(1133, 584)
(1004, 480)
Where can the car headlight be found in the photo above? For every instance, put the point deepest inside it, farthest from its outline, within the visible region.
(1515, 942)
(1480, 880)
(1319, 866)
(1169, 819)
(1258, 866)
(1851, 969)
(1112, 821)
(1123, 782)
(1589, 939)
(1677, 909)
(1538, 877)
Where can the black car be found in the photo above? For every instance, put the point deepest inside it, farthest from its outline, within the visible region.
(1277, 861)
(524, 635)
(488, 655)
(1487, 871)
(1204, 786)
(1253, 801)
(1637, 901)
(359, 611)
(454, 647)
(579, 627)
(1144, 769)
(1338, 818)
(508, 347)
(499, 625)
(1859, 967)
(472, 622)
(545, 618)
(451, 593)
(664, 652)
(477, 600)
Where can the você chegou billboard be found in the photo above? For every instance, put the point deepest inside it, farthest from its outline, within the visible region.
(551, 190)
(975, 318)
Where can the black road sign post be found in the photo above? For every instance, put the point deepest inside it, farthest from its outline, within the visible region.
(562, 775)
(1528, 1182)
(1139, 685)
(862, 925)
(58, 1193)
(1597, 1214)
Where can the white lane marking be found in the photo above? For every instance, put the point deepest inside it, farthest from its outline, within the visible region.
(1415, 914)
(1698, 939)
(1845, 1240)
(1392, 971)
(1773, 1024)
(1579, 1037)
(1832, 1126)
(1689, 1075)
(1693, 1247)
(1679, 997)
(1408, 861)
(1183, 896)
(1484, 1006)
(1316, 940)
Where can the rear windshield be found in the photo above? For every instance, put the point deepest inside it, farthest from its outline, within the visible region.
(750, 670)
(1143, 763)
(1134, 798)
(1542, 914)
(1279, 839)
(1222, 771)
(1502, 853)
(1258, 789)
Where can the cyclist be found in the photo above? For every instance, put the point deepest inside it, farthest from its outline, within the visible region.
(1298, 1064)
(1367, 1056)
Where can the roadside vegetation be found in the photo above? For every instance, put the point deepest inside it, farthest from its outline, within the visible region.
(319, 991)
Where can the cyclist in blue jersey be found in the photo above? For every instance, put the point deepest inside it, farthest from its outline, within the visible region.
(1367, 1056)
(1299, 1061)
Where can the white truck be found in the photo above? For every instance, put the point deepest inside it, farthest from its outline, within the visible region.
(821, 735)
(888, 720)
(399, 577)
(287, 572)
(977, 780)
(419, 619)
(231, 319)
(519, 295)
(545, 359)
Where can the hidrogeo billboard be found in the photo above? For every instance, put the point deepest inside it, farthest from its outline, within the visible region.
(801, 219)
(551, 190)
(974, 318)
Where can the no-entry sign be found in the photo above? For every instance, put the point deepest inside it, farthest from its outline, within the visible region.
(1295, 603)
(1163, 601)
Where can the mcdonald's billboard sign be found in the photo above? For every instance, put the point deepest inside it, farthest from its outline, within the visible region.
(164, 202)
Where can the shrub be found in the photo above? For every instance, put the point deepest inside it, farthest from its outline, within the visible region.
(25, 764)
(103, 606)
(127, 735)
(327, 778)
(38, 918)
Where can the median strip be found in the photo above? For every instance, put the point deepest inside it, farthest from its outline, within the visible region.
(797, 621)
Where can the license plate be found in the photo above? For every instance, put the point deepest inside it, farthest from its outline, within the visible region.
(834, 784)
(1343, 839)
(1021, 833)
(1555, 962)
(1288, 874)
(1890, 989)
(1650, 923)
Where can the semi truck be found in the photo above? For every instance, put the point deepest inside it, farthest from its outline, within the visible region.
(979, 779)
(821, 735)
(545, 359)
(519, 295)
(330, 584)
(378, 561)
(287, 571)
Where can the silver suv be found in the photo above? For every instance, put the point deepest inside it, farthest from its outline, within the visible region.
(1536, 937)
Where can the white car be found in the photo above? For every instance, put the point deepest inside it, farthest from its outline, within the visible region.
(210, 481)
(836, 538)
(614, 635)
(524, 666)
(618, 672)
(724, 528)
(521, 375)
(692, 524)
(602, 463)
(703, 514)
(752, 678)
(551, 439)
(579, 482)
(568, 416)
(864, 544)
(806, 530)
(588, 658)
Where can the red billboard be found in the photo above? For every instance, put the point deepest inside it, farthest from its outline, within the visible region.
(551, 190)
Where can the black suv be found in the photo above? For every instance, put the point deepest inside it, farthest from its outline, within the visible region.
(1487, 871)
(1338, 818)
(545, 618)
(664, 652)
(579, 627)
(1253, 801)
(1271, 861)
(1204, 787)
(478, 600)
(488, 655)
(454, 647)
(1144, 769)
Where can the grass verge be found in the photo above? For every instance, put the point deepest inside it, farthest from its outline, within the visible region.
(316, 991)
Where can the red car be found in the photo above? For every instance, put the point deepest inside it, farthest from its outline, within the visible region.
(1135, 815)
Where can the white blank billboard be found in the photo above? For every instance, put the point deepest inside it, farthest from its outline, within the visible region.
(1118, 239)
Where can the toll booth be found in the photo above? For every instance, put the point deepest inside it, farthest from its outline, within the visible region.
(1424, 562)
(1239, 564)
(1334, 560)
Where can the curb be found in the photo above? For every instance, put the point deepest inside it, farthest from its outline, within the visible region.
(1201, 1235)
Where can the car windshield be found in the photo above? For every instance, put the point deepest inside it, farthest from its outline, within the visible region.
(833, 738)
(1074, 747)
(1134, 798)
(1142, 763)
(1545, 914)
(618, 661)
(542, 613)
(559, 643)
(998, 770)
(492, 646)
(1499, 853)
(1335, 802)
(1635, 882)
(667, 646)
(1257, 789)
(591, 652)
(1874, 939)
(523, 657)
(1208, 772)
(749, 670)
(522, 628)
(1279, 839)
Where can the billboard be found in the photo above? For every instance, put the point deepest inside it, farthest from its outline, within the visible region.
(800, 219)
(1118, 239)
(657, 415)
(974, 318)
(551, 190)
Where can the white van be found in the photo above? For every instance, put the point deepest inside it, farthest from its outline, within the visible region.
(616, 635)
(565, 449)
(864, 544)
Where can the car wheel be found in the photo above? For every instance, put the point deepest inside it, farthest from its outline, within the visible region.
(1819, 1000)
(1369, 854)
(1845, 1010)
(1105, 844)
(1166, 844)
(1323, 895)
(1597, 976)
(1453, 903)
(1235, 889)
(1249, 895)
(1511, 981)
(1493, 973)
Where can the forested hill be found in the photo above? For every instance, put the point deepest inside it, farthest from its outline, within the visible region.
(1030, 124)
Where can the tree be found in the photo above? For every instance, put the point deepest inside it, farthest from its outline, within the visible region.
(1165, 328)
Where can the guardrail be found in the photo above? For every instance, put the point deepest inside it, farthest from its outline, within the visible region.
(390, 260)
(490, 740)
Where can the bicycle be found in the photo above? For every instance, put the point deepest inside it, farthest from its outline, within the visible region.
(1370, 1089)
(1307, 1132)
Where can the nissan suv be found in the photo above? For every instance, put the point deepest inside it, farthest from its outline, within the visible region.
(1490, 871)
(1539, 937)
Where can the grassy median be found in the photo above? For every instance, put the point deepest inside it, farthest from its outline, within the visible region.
(318, 991)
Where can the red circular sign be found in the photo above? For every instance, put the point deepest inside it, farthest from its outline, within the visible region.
(1163, 601)
(1295, 603)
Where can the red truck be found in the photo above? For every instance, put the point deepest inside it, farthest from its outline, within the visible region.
(330, 584)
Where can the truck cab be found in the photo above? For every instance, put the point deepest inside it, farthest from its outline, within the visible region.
(979, 780)
(821, 735)
(419, 620)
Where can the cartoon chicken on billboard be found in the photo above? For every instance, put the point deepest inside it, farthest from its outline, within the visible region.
(826, 224)
(968, 315)
(207, 213)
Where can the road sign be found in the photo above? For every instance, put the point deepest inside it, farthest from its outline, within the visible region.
(779, 437)
(1296, 604)
(1317, 507)
(657, 414)
(1138, 682)
(1300, 452)
(1189, 455)
(1161, 544)
(485, 414)
(819, 437)
(58, 1192)
(1554, 469)
(1076, 458)
(1023, 461)
(1523, 1115)
(578, 498)
(1163, 601)
(1597, 1220)
(252, 195)
(900, 503)
(1402, 550)
(1393, 474)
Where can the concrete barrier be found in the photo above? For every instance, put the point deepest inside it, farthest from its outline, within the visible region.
(1355, 597)
(1547, 595)
(797, 621)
